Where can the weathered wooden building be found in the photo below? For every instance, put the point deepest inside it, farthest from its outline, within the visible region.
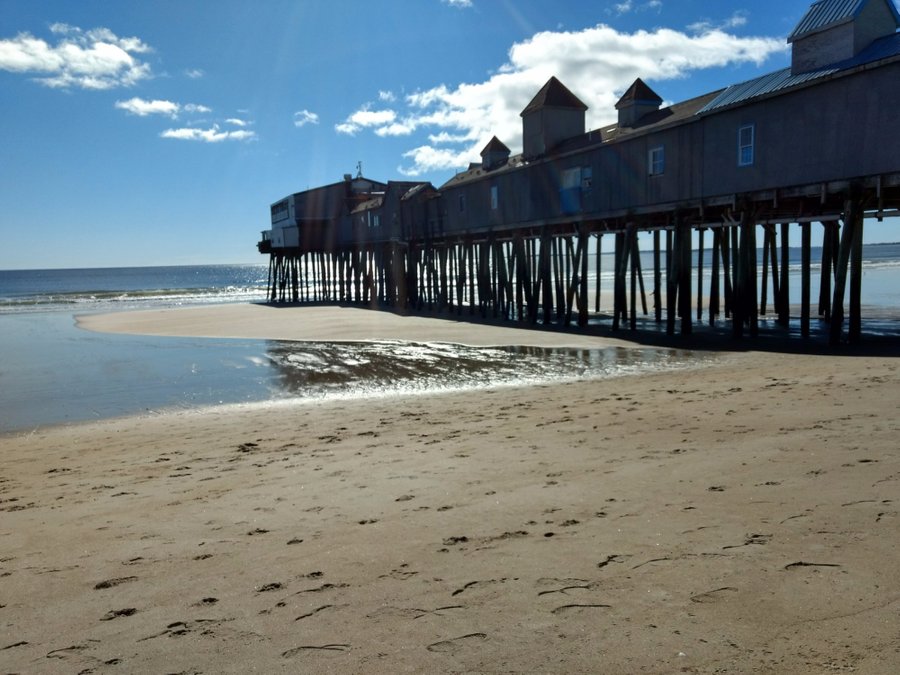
(816, 142)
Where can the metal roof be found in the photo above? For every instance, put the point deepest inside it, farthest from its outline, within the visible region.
(826, 13)
(782, 79)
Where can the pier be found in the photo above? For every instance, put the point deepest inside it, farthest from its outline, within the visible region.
(732, 173)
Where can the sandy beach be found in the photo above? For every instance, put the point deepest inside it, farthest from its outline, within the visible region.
(738, 517)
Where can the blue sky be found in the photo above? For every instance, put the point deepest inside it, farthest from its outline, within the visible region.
(156, 133)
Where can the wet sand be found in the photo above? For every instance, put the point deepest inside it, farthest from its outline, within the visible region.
(741, 517)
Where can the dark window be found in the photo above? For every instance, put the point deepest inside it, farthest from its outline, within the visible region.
(656, 161)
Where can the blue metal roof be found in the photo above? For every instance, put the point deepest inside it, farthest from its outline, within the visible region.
(826, 13)
(884, 48)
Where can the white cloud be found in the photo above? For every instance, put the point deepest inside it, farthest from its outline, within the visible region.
(736, 20)
(462, 4)
(387, 96)
(194, 73)
(195, 108)
(596, 63)
(304, 117)
(364, 118)
(211, 135)
(234, 121)
(143, 108)
(94, 59)
(626, 6)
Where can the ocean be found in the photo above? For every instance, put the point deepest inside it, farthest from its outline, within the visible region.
(52, 372)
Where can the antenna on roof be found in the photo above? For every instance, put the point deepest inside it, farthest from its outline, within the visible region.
(359, 169)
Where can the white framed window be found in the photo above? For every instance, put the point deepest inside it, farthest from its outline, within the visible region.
(495, 197)
(656, 161)
(746, 145)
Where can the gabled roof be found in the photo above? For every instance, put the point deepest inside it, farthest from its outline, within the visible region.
(554, 95)
(825, 14)
(494, 145)
(638, 92)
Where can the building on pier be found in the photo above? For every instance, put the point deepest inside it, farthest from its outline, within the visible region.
(814, 142)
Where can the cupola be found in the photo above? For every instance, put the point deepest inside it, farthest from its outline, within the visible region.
(495, 154)
(637, 102)
(553, 115)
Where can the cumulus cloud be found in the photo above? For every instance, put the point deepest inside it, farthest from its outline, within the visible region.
(596, 63)
(462, 4)
(211, 135)
(304, 117)
(237, 122)
(143, 108)
(93, 59)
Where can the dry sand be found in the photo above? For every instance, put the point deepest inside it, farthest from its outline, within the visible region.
(742, 517)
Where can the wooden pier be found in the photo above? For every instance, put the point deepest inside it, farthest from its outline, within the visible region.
(540, 275)
(720, 180)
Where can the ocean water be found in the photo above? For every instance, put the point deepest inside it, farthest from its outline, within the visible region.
(53, 372)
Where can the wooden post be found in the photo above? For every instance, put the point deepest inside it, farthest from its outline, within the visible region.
(804, 278)
(714, 281)
(854, 331)
(619, 280)
(583, 240)
(825, 276)
(752, 276)
(700, 233)
(657, 279)
(738, 302)
(767, 236)
(684, 290)
(631, 236)
(598, 253)
(784, 308)
(776, 290)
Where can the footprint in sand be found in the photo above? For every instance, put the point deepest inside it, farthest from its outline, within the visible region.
(457, 643)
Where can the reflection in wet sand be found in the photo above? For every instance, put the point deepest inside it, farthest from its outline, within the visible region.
(316, 370)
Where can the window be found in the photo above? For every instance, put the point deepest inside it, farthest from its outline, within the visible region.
(746, 139)
(495, 197)
(462, 203)
(279, 211)
(656, 162)
(571, 178)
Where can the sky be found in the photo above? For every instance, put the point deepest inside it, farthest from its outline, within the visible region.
(158, 133)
